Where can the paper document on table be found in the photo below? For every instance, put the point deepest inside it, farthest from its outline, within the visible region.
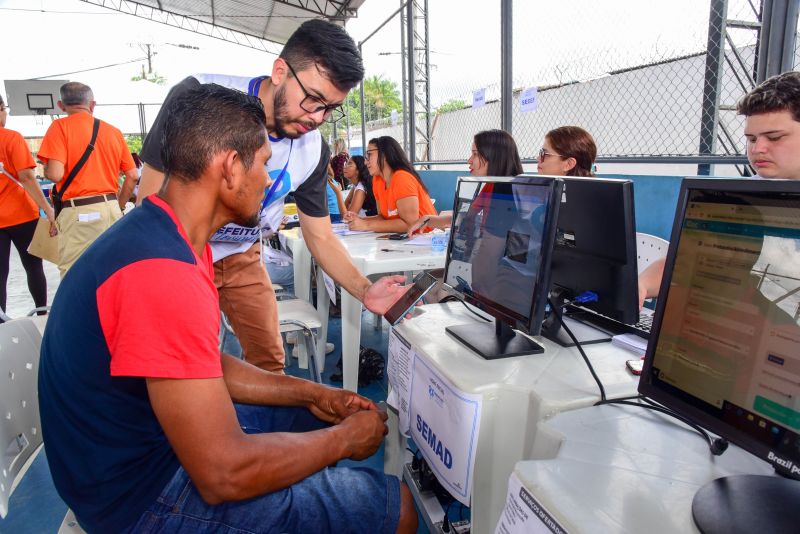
(423, 239)
(420, 240)
(399, 369)
(445, 422)
(630, 342)
(344, 229)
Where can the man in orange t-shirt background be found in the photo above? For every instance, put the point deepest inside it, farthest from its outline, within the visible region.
(91, 202)
(20, 200)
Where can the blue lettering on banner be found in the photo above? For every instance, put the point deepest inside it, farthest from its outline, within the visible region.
(436, 445)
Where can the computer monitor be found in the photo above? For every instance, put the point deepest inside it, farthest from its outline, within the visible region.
(498, 259)
(594, 257)
(725, 346)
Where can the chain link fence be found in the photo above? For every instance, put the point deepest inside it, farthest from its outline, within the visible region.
(637, 75)
(644, 78)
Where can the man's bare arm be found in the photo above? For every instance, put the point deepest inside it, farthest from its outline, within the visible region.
(331, 254)
(226, 464)
(151, 182)
(650, 280)
(334, 260)
(54, 170)
(126, 191)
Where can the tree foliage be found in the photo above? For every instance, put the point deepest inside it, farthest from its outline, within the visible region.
(134, 143)
(451, 105)
(381, 97)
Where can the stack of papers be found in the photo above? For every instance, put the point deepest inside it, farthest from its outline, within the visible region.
(343, 229)
(631, 342)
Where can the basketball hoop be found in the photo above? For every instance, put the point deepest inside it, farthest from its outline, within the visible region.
(39, 114)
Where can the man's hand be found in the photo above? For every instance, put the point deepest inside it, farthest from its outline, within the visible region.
(380, 296)
(334, 405)
(642, 295)
(365, 431)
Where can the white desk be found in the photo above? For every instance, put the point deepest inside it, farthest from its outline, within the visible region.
(626, 469)
(365, 250)
(517, 393)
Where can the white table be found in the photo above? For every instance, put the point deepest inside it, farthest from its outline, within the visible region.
(626, 469)
(369, 258)
(517, 393)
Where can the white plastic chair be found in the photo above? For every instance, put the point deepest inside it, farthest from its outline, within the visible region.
(20, 427)
(649, 248)
(296, 315)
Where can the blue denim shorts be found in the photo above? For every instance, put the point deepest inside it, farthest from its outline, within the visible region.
(336, 499)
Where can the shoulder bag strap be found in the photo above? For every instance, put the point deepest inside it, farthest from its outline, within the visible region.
(78, 166)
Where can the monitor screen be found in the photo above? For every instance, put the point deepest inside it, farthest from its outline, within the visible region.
(500, 245)
(595, 249)
(725, 347)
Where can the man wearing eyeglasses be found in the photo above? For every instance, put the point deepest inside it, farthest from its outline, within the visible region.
(310, 80)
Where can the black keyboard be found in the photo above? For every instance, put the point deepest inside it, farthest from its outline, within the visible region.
(641, 328)
(645, 322)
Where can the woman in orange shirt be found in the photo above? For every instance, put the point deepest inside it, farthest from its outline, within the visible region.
(20, 200)
(401, 196)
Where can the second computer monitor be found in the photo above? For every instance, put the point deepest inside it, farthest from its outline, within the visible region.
(499, 258)
(594, 257)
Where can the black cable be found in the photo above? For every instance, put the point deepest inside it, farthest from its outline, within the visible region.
(449, 298)
(580, 349)
(446, 522)
(716, 445)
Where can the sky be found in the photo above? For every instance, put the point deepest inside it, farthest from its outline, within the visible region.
(553, 42)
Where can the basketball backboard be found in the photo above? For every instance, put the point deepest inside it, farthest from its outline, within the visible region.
(33, 97)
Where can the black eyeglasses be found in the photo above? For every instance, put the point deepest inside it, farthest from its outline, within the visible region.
(544, 153)
(314, 104)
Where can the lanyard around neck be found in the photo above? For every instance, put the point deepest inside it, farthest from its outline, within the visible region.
(252, 89)
(279, 179)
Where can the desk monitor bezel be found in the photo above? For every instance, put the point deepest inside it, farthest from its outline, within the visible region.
(683, 402)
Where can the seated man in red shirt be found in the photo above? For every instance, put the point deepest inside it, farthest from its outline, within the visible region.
(147, 428)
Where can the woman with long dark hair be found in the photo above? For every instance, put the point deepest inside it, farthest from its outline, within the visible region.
(493, 153)
(401, 196)
(360, 199)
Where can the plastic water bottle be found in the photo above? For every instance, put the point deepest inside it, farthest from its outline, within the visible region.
(439, 243)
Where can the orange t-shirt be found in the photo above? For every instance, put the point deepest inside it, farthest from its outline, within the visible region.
(402, 185)
(16, 205)
(66, 140)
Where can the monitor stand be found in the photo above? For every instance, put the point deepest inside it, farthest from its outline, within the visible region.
(493, 341)
(585, 334)
(747, 503)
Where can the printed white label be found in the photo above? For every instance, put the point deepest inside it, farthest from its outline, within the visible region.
(479, 98)
(529, 100)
